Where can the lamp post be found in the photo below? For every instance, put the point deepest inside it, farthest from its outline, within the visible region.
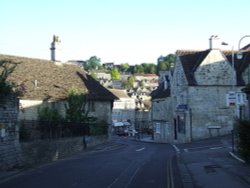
(247, 88)
(232, 93)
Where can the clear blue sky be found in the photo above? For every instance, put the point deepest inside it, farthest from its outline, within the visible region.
(133, 31)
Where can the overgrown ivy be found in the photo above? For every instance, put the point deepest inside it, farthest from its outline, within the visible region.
(6, 68)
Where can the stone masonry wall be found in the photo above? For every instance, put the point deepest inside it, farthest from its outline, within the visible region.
(45, 151)
(10, 151)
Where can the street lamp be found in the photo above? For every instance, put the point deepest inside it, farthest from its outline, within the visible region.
(239, 54)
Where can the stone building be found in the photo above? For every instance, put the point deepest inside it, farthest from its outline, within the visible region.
(200, 85)
(162, 112)
(48, 83)
(123, 107)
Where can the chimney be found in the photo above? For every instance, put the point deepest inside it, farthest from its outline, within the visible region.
(214, 42)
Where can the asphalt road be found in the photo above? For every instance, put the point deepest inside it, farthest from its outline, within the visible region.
(121, 163)
(211, 166)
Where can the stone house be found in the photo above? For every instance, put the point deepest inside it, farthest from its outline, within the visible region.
(162, 112)
(47, 83)
(199, 86)
(123, 108)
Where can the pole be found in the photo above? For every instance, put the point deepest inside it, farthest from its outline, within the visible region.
(233, 80)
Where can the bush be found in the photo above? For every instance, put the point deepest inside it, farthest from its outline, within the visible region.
(98, 128)
(243, 132)
(48, 115)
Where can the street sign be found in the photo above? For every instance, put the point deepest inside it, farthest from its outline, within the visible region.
(231, 99)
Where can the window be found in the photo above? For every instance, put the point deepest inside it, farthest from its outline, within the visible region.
(157, 128)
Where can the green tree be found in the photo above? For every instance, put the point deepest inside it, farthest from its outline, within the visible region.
(139, 69)
(165, 63)
(6, 87)
(124, 67)
(115, 74)
(48, 115)
(93, 74)
(129, 83)
(76, 106)
(93, 63)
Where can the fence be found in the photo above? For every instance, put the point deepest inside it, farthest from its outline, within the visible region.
(39, 130)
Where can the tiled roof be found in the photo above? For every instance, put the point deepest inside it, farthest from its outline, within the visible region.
(44, 80)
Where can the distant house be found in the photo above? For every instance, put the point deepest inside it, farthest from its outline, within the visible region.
(162, 113)
(123, 107)
(48, 83)
(108, 65)
(198, 106)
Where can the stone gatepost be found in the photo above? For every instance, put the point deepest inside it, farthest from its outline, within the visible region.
(10, 150)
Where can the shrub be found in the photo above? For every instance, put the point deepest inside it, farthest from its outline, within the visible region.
(243, 131)
(48, 115)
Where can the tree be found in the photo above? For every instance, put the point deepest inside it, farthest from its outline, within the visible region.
(124, 67)
(6, 68)
(129, 83)
(115, 74)
(139, 69)
(165, 63)
(93, 63)
(76, 106)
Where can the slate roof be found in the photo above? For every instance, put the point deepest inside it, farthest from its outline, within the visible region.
(190, 60)
(160, 92)
(45, 80)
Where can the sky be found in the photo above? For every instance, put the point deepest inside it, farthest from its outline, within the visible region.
(119, 31)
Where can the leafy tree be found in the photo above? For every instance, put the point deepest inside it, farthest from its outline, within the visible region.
(47, 115)
(129, 83)
(165, 63)
(6, 68)
(93, 74)
(124, 67)
(139, 69)
(76, 106)
(115, 74)
(93, 63)
(149, 68)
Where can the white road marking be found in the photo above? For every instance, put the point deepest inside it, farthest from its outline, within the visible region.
(140, 149)
(217, 147)
(176, 148)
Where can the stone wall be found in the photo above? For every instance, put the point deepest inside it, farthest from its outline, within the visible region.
(45, 151)
(10, 151)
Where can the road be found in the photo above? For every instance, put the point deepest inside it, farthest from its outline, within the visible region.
(211, 166)
(123, 162)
